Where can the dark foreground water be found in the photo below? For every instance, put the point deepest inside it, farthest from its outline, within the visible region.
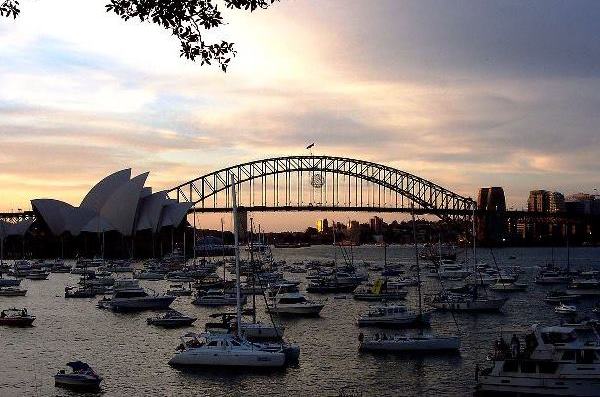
(132, 356)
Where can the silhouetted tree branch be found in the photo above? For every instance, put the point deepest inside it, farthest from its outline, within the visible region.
(186, 19)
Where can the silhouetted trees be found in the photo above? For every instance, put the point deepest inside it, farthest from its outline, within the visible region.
(186, 19)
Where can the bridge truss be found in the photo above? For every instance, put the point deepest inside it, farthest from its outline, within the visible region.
(321, 183)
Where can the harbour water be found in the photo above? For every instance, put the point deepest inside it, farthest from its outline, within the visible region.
(132, 356)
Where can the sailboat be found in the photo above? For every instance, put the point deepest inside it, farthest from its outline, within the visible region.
(411, 343)
(230, 349)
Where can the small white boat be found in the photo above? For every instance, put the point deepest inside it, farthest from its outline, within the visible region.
(294, 303)
(393, 316)
(403, 343)
(171, 319)
(565, 309)
(81, 378)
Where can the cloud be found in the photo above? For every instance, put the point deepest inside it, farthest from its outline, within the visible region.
(463, 93)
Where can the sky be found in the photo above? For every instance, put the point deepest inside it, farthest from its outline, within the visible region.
(463, 93)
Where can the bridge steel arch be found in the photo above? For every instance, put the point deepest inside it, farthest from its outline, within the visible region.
(279, 176)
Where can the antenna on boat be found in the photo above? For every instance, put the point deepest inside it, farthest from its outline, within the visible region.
(237, 256)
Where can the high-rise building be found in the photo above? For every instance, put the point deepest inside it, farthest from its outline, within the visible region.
(376, 224)
(491, 226)
(545, 201)
(322, 225)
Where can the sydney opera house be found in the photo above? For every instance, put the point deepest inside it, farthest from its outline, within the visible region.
(119, 207)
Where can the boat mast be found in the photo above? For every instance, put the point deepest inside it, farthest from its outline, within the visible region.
(568, 251)
(417, 258)
(237, 257)
(194, 236)
(474, 238)
(253, 269)
(223, 247)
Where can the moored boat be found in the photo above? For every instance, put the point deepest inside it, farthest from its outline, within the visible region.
(82, 377)
(16, 317)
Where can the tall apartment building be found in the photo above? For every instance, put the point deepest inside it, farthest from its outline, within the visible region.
(545, 201)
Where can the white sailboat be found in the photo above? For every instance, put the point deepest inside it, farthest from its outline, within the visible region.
(230, 349)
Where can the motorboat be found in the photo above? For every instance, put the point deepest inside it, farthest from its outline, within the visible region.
(565, 309)
(16, 317)
(452, 271)
(82, 377)
(259, 331)
(178, 290)
(469, 302)
(84, 292)
(215, 297)
(148, 275)
(548, 277)
(9, 282)
(393, 316)
(560, 296)
(406, 343)
(380, 290)
(554, 361)
(584, 287)
(171, 319)
(129, 296)
(37, 275)
(502, 286)
(294, 303)
(12, 291)
(209, 349)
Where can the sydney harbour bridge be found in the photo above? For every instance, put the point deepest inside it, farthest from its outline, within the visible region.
(327, 183)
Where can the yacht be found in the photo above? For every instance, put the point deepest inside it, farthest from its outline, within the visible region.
(393, 316)
(82, 377)
(503, 286)
(560, 296)
(178, 290)
(380, 290)
(406, 343)
(216, 297)
(552, 278)
(556, 361)
(224, 349)
(453, 271)
(148, 275)
(259, 331)
(129, 296)
(12, 291)
(16, 317)
(294, 303)
(37, 275)
(9, 282)
(584, 287)
(171, 319)
(466, 302)
(565, 309)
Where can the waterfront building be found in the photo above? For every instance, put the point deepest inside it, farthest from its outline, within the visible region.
(376, 224)
(545, 201)
(322, 226)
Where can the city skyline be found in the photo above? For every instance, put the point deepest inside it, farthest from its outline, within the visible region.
(437, 92)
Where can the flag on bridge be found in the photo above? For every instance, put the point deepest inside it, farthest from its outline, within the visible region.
(310, 146)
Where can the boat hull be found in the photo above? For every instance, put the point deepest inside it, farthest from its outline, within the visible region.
(74, 382)
(312, 310)
(537, 386)
(17, 321)
(204, 358)
(132, 305)
(412, 345)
